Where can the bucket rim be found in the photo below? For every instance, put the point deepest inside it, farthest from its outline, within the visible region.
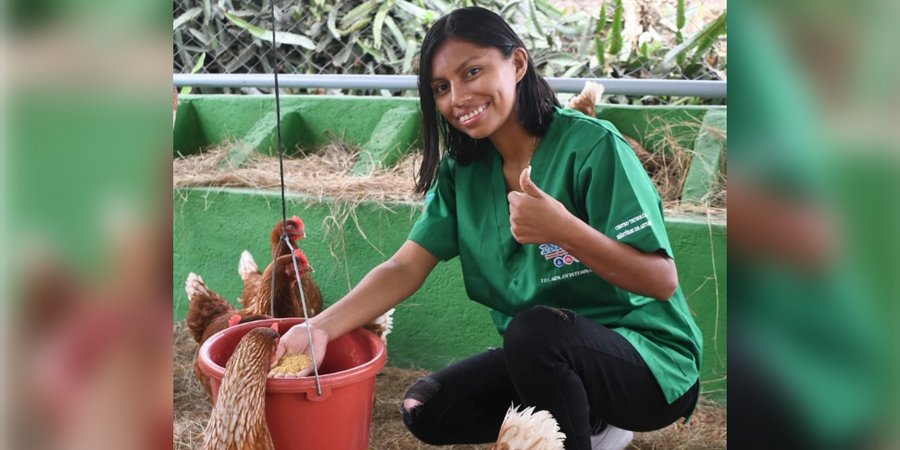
(331, 381)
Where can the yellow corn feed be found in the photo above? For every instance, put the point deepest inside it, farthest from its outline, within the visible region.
(291, 363)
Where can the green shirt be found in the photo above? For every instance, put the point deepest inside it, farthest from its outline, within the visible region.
(585, 164)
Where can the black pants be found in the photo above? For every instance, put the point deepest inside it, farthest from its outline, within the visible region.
(584, 374)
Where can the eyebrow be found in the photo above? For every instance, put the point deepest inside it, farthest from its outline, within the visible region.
(459, 68)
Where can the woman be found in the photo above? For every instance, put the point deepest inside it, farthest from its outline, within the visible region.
(559, 231)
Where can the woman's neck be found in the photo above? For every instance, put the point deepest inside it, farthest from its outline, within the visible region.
(514, 144)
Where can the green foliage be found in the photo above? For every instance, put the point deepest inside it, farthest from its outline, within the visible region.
(700, 43)
(384, 37)
(658, 52)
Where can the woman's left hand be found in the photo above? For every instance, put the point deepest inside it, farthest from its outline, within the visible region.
(534, 216)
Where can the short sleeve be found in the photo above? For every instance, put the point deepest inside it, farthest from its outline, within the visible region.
(620, 199)
(436, 229)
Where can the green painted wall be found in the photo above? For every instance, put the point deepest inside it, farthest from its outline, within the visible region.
(438, 324)
(313, 120)
(212, 227)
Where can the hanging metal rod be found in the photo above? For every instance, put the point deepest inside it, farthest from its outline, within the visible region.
(613, 86)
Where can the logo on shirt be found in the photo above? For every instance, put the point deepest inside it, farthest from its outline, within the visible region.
(632, 225)
(557, 254)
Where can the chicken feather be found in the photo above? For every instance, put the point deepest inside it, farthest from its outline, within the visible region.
(529, 430)
(238, 419)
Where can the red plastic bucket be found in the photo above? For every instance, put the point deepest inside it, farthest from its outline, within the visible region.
(299, 419)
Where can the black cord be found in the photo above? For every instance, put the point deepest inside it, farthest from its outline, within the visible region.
(284, 236)
(280, 155)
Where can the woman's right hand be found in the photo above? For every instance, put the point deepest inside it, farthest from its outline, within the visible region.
(296, 340)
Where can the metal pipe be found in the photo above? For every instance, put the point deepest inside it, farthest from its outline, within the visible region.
(613, 86)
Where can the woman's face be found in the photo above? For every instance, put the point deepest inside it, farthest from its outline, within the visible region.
(475, 87)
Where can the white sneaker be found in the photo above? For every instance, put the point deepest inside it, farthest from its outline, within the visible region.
(611, 438)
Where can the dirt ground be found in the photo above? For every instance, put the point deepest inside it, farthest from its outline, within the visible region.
(706, 430)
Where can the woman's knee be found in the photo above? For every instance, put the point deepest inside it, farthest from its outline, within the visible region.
(414, 409)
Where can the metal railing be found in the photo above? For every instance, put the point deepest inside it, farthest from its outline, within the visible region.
(613, 86)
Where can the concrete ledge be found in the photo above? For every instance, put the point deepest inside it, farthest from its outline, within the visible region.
(706, 164)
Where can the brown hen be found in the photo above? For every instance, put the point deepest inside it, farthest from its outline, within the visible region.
(249, 270)
(210, 313)
(238, 420)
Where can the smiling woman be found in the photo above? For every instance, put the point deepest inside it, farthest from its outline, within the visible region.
(559, 232)
(478, 77)
(482, 78)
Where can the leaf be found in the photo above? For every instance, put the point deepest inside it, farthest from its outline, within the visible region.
(344, 55)
(615, 39)
(574, 70)
(706, 36)
(549, 10)
(237, 64)
(420, 13)
(357, 26)
(438, 5)
(357, 13)
(391, 55)
(679, 16)
(561, 59)
(332, 17)
(187, 16)
(399, 38)
(598, 48)
(411, 48)
(379, 22)
(207, 11)
(534, 19)
(199, 64)
(710, 34)
(281, 37)
(323, 43)
(198, 35)
(601, 20)
(508, 9)
(571, 30)
(368, 49)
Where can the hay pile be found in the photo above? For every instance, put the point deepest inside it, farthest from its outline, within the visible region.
(668, 162)
(324, 174)
(707, 429)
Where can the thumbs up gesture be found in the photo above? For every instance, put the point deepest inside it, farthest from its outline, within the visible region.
(534, 216)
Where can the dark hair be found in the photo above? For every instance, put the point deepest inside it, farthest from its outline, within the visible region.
(534, 98)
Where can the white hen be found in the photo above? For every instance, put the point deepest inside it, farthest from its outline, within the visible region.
(529, 430)
(382, 325)
(587, 100)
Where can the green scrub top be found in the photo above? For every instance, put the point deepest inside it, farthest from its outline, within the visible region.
(584, 163)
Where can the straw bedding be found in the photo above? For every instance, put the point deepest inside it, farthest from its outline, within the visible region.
(326, 173)
(706, 430)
